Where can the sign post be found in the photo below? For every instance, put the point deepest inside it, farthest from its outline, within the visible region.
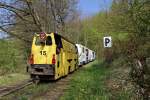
(107, 42)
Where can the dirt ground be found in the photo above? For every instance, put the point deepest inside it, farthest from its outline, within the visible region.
(55, 91)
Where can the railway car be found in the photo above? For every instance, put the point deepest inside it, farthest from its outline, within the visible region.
(52, 57)
(94, 56)
(85, 55)
(90, 56)
(81, 54)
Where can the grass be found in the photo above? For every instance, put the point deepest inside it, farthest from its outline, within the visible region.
(10, 79)
(11, 57)
(97, 81)
(12, 62)
(28, 93)
(88, 84)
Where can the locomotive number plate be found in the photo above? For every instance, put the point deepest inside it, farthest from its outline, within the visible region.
(43, 52)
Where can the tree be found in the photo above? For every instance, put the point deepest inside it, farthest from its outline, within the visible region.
(24, 17)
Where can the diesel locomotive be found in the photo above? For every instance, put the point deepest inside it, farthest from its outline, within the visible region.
(52, 57)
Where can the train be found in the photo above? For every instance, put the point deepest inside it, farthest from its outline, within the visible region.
(53, 56)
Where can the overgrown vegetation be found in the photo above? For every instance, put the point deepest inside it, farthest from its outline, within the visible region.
(127, 21)
(12, 79)
(29, 92)
(97, 81)
(88, 84)
(12, 56)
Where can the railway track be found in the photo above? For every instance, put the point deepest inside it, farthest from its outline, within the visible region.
(14, 88)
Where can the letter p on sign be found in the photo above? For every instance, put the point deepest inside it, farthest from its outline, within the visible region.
(107, 42)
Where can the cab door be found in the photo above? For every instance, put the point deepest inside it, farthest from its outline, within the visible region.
(59, 53)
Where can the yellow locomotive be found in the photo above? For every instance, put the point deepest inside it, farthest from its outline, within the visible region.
(52, 57)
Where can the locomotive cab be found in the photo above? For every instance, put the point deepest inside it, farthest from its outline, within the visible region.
(49, 59)
(43, 56)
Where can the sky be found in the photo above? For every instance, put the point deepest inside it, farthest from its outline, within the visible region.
(91, 7)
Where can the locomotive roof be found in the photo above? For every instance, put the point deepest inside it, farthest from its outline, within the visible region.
(60, 36)
(65, 38)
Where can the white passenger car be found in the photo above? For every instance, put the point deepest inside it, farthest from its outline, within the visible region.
(90, 55)
(85, 55)
(94, 55)
(81, 54)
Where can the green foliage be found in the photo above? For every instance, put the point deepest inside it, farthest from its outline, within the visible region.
(127, 21)
(12, 59)
(30, 92)
(95, 82)
(13, 78)
(88, 84)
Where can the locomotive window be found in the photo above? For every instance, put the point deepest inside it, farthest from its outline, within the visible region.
(58, 41)
(48, 40)
(39, 42)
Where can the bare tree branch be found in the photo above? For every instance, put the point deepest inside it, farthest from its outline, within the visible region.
(2, 5)
(12, 10)
(34, 15)
(14, 35)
